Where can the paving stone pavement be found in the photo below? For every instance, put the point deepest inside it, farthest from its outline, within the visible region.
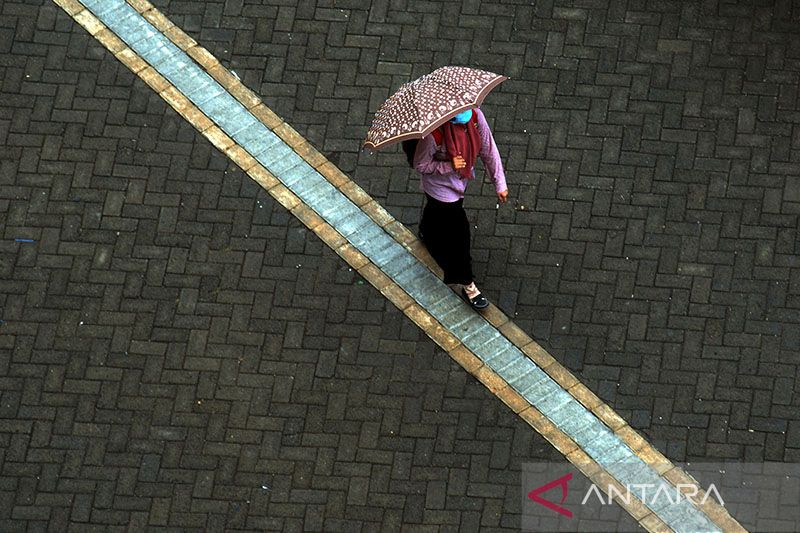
(173, 342)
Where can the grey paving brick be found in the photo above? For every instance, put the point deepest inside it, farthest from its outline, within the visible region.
(309, 185)
(154, 46)
(445, 305)
(125, 22)
(537, 392)
(631, 469)
(379, 247)
(194, 82)
(515, 368)
(179, 67)
(458, 318)
(220, 106)
(257, 139)
(231, 116)
(498, 352)
(145, 39)
(276, 152)
(110, 9)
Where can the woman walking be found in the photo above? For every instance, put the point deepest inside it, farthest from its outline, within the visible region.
(445, 161)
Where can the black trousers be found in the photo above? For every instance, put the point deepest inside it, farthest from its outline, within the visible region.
(444, 229)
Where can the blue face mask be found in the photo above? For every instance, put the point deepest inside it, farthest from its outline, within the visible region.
(462, 118)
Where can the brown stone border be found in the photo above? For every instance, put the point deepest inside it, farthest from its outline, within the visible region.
(376, 277)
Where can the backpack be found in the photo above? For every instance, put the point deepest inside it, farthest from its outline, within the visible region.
(410, 145)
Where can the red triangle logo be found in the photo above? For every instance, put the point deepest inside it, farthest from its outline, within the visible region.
(562, 482)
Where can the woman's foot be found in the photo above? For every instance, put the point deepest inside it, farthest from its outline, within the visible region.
(472, 295)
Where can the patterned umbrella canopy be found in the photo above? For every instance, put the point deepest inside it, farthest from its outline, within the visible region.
(421, 106)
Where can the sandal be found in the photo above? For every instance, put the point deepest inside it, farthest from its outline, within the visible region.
(478, 303)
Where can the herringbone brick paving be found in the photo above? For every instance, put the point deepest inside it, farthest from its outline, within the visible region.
(173, 342)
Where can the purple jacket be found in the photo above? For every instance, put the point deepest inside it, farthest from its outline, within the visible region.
(437, 177)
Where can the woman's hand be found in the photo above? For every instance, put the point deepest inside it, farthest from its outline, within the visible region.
(459, 163)
(503, 196)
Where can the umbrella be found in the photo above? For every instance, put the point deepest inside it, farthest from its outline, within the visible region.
(421, 106)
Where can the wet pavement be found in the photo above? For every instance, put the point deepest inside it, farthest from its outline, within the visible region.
(178, 351)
